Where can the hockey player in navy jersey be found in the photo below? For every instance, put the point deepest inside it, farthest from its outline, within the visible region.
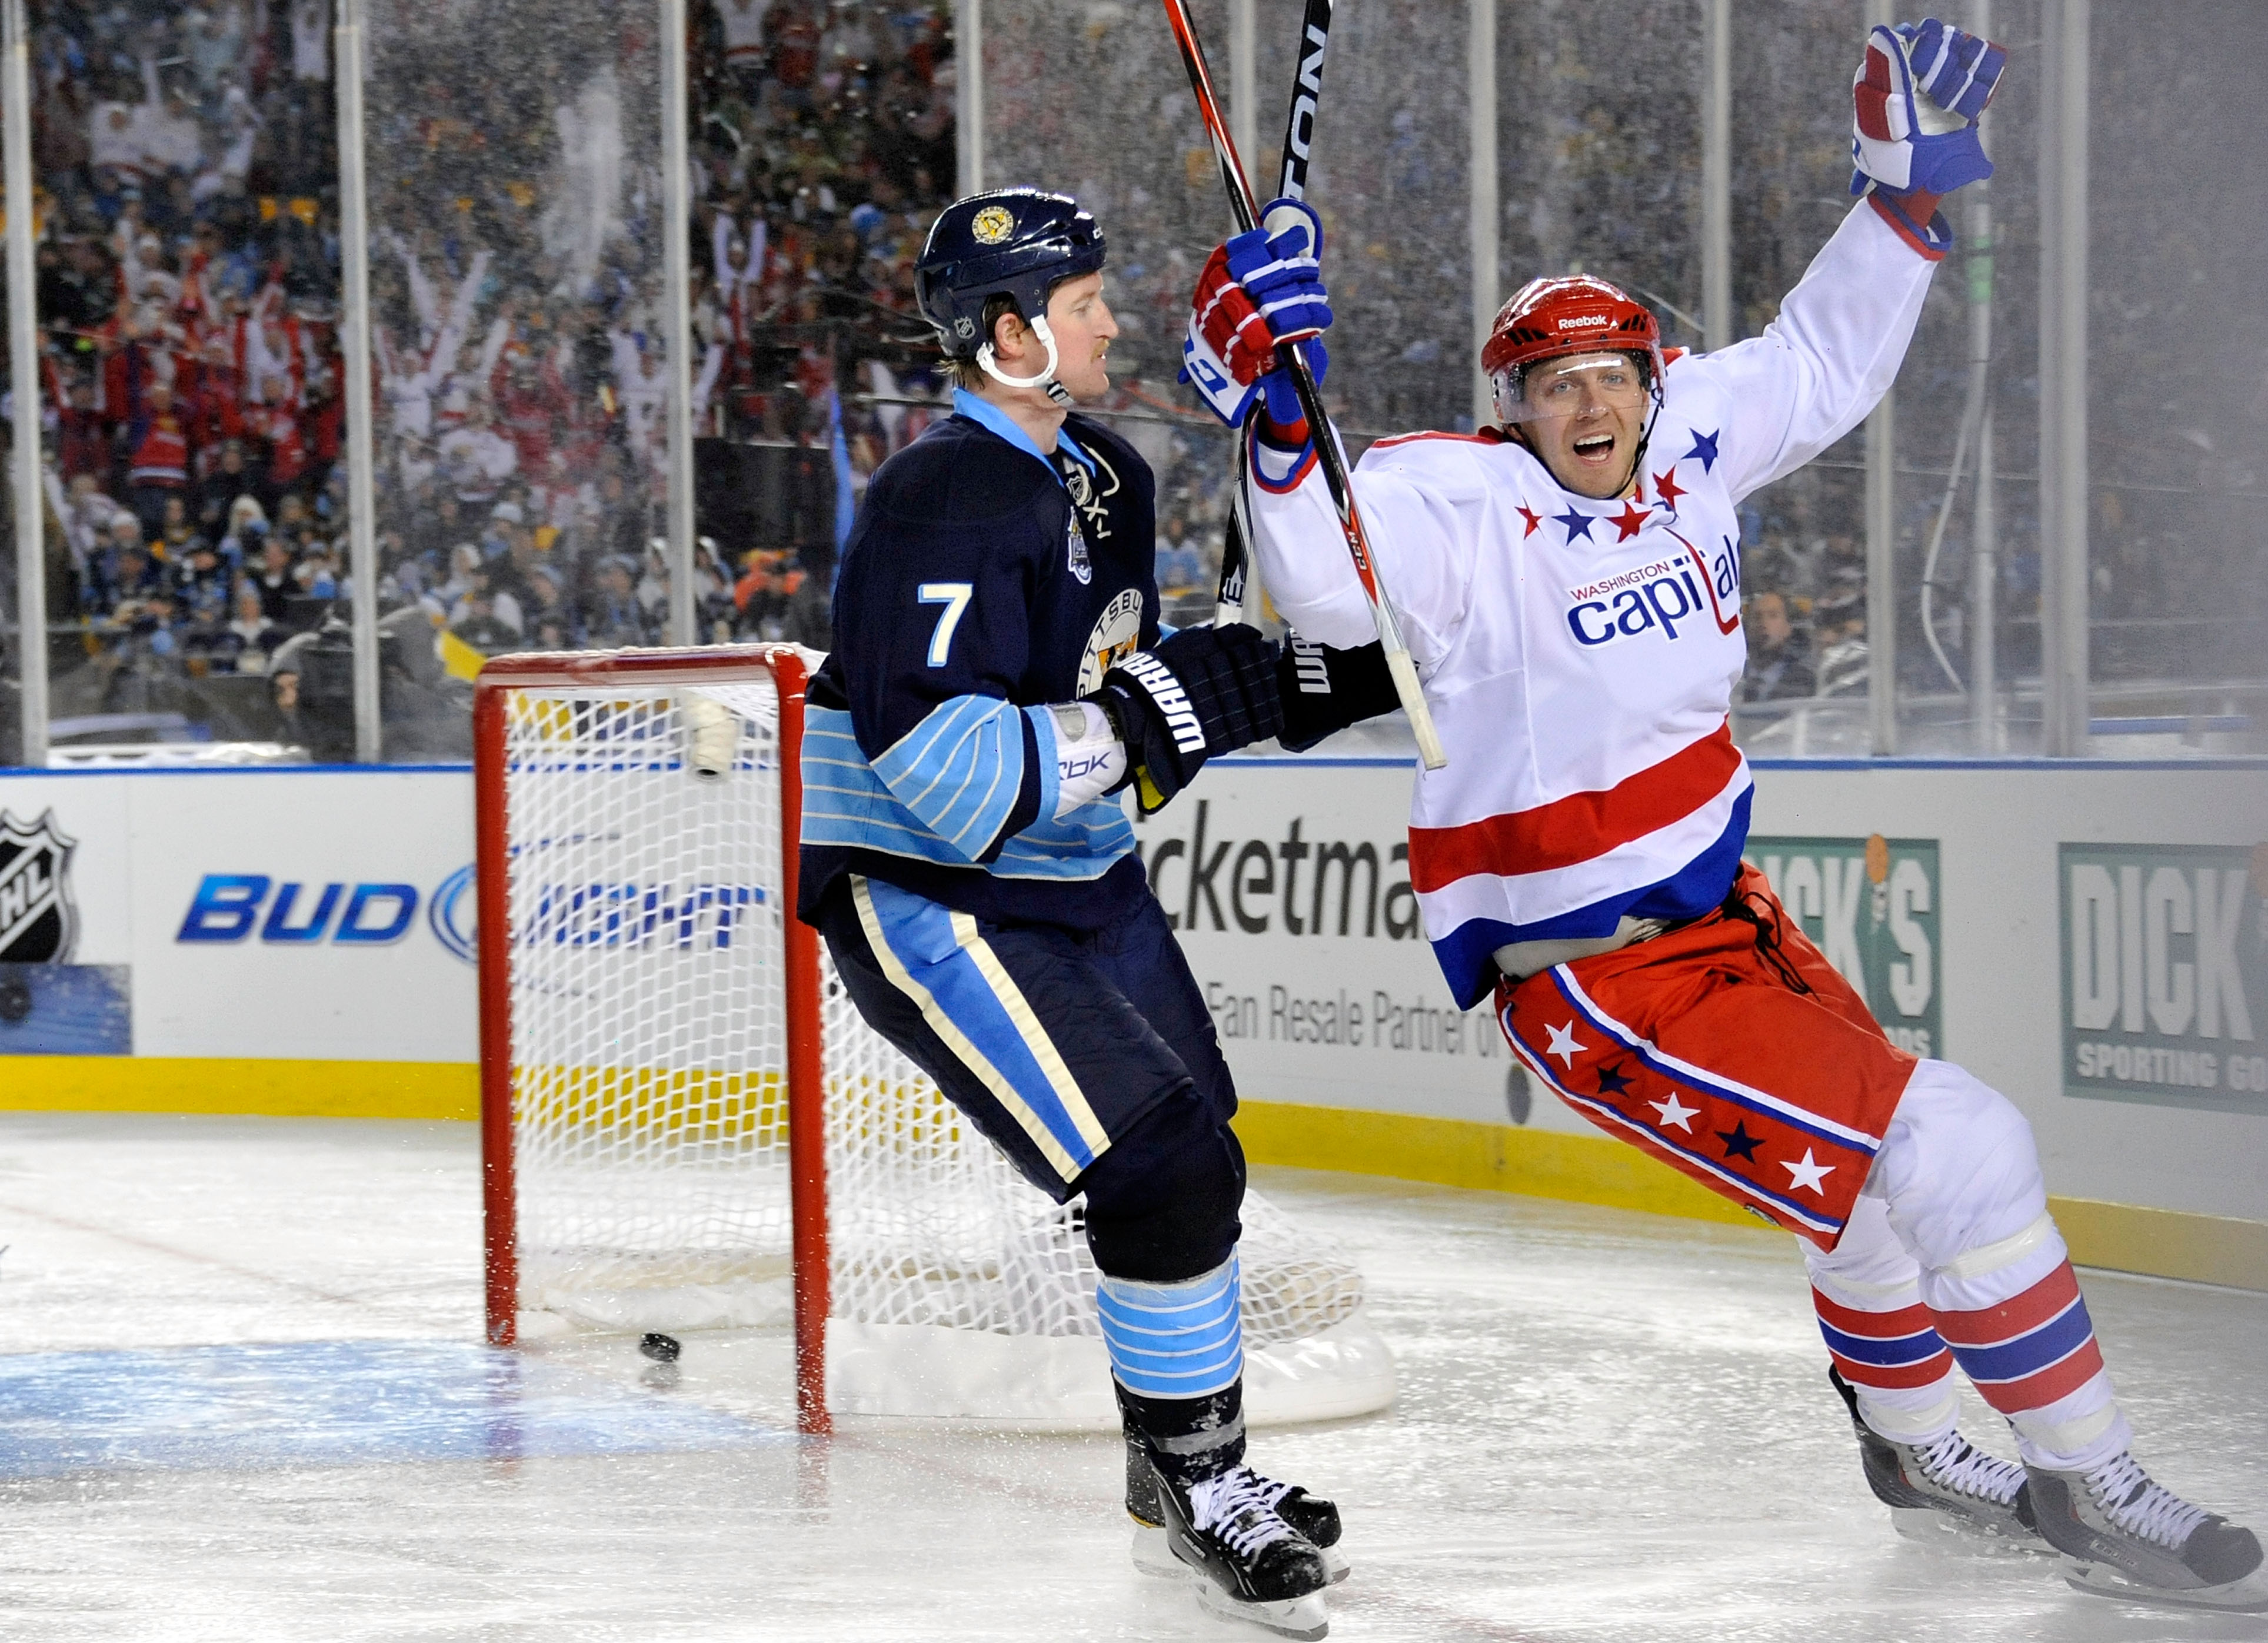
(1569, 584)
(998, 675)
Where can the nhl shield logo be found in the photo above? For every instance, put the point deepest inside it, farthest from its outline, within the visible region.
(38, 923)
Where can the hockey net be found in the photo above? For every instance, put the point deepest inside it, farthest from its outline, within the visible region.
(688, 1125)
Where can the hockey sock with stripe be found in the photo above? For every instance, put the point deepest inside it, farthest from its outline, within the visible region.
(1177, 1356)
(1892, 1355)
(2019, 1329)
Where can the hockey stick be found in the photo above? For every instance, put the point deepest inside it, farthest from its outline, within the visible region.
(1299, 140)
(1246, 210)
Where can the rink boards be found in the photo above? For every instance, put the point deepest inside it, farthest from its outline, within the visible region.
(2091, 938)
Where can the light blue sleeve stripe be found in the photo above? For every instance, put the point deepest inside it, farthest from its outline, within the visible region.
(1051, 750)
(846, 804)
(959, 770)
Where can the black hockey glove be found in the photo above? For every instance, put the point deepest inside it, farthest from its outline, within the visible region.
(1203, 691)
(1325, 690)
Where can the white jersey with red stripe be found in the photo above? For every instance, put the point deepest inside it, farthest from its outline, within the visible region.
(1580, 656)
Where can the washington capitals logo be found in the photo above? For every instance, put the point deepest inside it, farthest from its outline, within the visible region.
(38, 923)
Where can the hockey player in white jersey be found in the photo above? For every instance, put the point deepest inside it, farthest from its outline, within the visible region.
(1569, 584)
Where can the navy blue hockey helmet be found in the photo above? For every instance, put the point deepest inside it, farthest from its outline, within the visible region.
(1017, 243)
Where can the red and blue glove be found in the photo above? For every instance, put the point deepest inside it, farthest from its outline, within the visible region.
(1257, 290)
(1915, 103)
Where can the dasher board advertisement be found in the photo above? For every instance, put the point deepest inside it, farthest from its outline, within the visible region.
(1871, 906)
(2165, 975)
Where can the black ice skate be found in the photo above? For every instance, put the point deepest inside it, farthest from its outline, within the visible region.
(2122, 1536)
(1316, 1518)
(1945, 1493)
(1251, 1565)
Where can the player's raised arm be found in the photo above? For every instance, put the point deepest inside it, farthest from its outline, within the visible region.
(1263, 289)
(1826, 361)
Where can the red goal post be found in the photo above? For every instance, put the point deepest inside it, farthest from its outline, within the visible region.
(579, 670)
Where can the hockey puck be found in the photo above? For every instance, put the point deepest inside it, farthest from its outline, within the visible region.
(663, 1349)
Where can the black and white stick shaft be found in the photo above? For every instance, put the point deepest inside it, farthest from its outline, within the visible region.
(1246, 210)
(1298, 143)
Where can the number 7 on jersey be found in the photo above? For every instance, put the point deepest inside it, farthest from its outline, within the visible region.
(955, 597)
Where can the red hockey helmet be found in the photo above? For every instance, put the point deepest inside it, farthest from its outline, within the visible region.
(1576, 314)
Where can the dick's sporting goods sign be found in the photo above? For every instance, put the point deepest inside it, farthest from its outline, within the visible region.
(1871, 906)
(2165, 973)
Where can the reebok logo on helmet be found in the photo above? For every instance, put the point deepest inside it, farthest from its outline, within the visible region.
(1579, 323)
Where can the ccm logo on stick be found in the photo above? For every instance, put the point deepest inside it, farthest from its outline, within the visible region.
(228, 907)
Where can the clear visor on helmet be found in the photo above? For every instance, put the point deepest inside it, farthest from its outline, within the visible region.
(1570, 387)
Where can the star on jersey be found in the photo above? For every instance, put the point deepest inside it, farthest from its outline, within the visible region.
(1674, 1112)
(1575, 524)
(1704, 451)
(1562, 1042)
(1738, 1143)
(1666, 487)
(1533, 518)
(1611, 1081)
(1809, 1174)
(1629, 521)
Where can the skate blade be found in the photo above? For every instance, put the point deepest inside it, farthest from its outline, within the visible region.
(1958, 1536)
(1303, 1617)
(2247, 1596)
(1154, 1555)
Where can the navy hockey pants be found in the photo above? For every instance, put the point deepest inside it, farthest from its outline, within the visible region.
(1090, 1060)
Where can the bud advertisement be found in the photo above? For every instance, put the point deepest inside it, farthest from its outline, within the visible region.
(2165, 975)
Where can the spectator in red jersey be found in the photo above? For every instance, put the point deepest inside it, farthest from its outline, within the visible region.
(158, 457)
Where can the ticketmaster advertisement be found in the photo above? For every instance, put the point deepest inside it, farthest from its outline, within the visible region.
(1290, 885)
(2165, 975)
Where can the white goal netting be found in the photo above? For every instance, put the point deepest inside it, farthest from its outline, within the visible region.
(648, 1027)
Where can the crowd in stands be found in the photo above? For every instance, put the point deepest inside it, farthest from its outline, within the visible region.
(189, 296)
(188, 272)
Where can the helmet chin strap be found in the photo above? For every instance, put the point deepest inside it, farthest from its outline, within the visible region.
(1045, 380)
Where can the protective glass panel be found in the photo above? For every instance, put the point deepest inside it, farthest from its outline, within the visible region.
(185, 168)
(517, 329)
(2177, 460)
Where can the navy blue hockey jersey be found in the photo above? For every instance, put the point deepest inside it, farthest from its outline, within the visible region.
(983, 581)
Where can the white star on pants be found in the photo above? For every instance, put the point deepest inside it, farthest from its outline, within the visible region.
(1562, 1042)
(1674, 1112)
(1808, 1174)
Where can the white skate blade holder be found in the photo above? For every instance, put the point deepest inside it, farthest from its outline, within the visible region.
(2247, 1596)
(1154, 1555)
(1304, 1618)
(1957, 1537)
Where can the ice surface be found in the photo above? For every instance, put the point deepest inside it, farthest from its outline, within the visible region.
(242, 1397)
